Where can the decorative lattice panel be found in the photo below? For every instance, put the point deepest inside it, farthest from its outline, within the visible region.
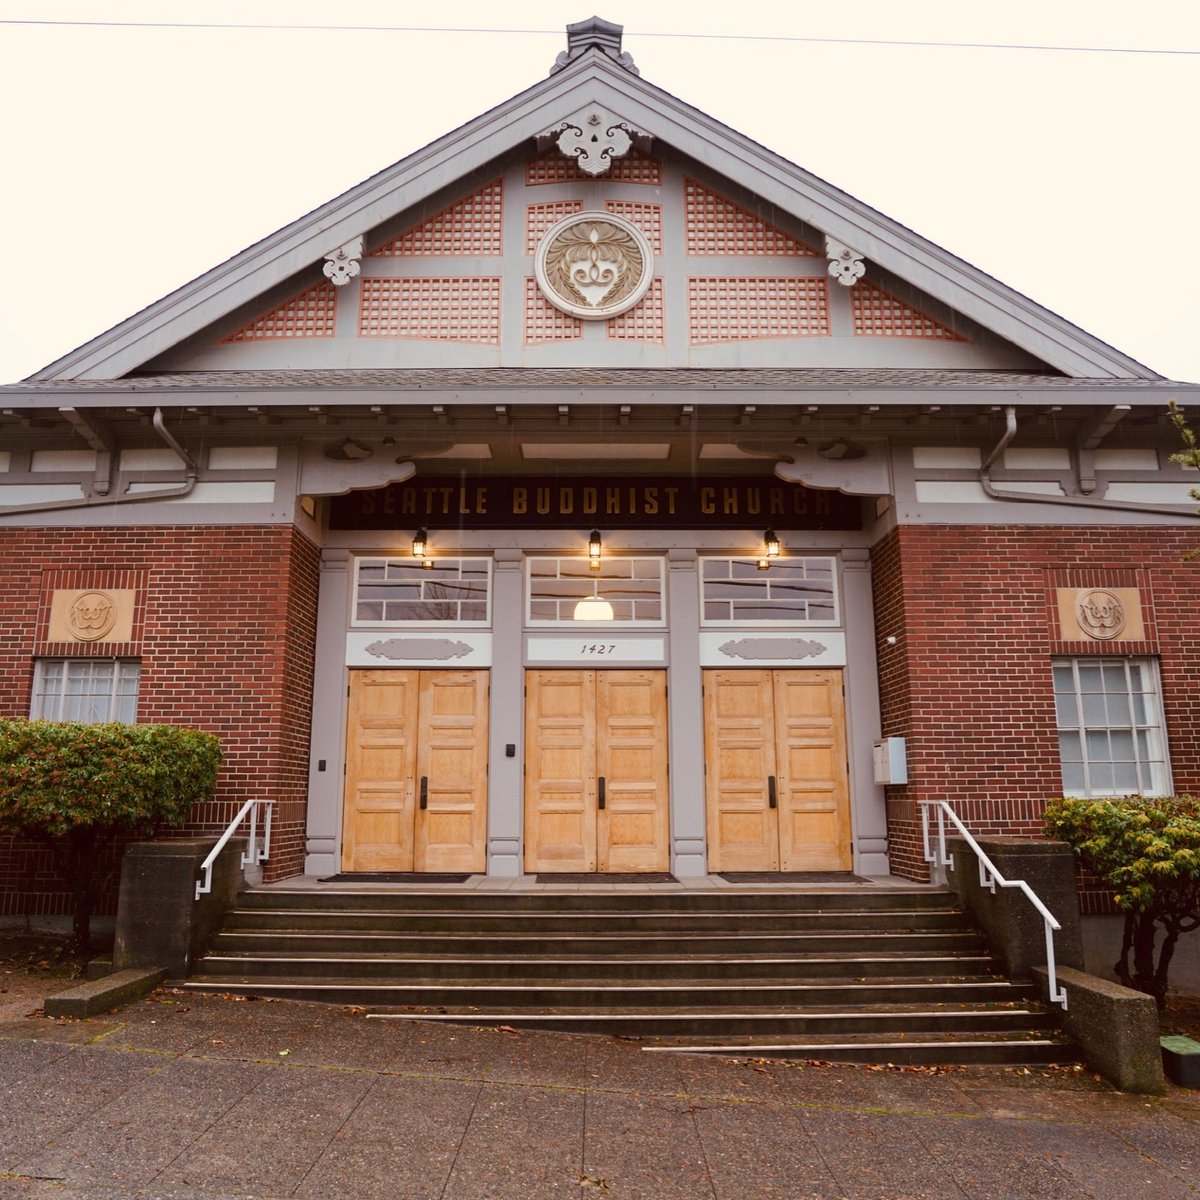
(732, 310)
(470, 226)
(718, 226)
(551, 166)
(647, 217)
(880, 314)
(544, 322)
(645, 322)
(310, 314)
(539, 218)
(449, 310)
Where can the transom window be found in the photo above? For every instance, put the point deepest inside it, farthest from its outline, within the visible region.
(1110, 727)
(88, 690)
(402, 591)
(623, 590)
(791, 591)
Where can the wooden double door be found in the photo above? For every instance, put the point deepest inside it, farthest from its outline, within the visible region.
(596, 771)
(416, 771)
(776, 773)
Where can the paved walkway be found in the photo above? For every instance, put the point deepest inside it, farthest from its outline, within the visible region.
(211, 1098)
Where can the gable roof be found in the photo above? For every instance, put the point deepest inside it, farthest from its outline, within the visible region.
(595, 76)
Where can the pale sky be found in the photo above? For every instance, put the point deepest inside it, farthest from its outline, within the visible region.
(136, 159)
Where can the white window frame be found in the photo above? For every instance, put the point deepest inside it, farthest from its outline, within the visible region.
(598, 577)
(1152, 769)
(431, 572)
(833, 622)
(48, 705)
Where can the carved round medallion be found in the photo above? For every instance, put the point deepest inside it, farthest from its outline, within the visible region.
(593, 265)
(91, 616)
(1100, 614)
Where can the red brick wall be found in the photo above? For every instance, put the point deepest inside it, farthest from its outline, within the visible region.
(968, 681)
(224, 628)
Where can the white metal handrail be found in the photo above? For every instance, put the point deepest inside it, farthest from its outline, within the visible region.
(252, 855)
(989, 877)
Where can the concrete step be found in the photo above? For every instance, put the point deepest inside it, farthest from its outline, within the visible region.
(594, 920)
(548, 899)
(520, 994)
(546, 968)
(909, 1020)
(312, 942)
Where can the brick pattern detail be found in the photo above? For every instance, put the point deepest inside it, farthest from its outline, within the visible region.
(647, 217)
(715, 225)
(310, 314)
(539, 218)
(471, 226)
(968, 682)
(463, 309)
(645, 322)
(224, 629)
(551, 166)
(731, 309)
(544, 322)
(880, 314)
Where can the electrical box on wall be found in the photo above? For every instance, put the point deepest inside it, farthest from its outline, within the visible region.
(891, 760)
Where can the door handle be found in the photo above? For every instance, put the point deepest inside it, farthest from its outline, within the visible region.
(772, 794)
(424, 791)
(601, 792)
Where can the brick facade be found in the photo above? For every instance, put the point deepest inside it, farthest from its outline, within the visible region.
(224, 629)
(968, 680)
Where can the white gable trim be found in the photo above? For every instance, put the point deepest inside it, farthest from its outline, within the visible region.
(594, 78)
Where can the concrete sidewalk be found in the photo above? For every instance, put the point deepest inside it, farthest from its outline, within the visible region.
(210, 1097)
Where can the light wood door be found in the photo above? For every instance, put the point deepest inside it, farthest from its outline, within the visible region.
(596, 771)
(416, 771)
(778, 794)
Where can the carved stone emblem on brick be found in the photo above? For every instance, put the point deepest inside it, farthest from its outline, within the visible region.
(91, 615)
(1100, 615)
(594, 265)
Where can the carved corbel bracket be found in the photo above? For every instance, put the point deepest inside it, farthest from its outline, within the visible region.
(857, 468)
(351, 465)
(594, 138)
(845, 265)
(342, 264)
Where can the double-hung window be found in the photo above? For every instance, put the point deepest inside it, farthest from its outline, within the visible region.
(1111, 737)
(88, 690)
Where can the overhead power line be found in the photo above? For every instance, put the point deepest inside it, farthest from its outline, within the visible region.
(713, 37)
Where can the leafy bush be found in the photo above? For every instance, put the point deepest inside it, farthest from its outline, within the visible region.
(1148, 851)
(79, 787)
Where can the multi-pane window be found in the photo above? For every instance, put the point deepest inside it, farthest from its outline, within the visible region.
(400, 591)
(626, 590)
(791, 591)
(89, 690)
(1110, 727)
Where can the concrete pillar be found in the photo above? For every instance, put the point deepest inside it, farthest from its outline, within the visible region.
(506, 722)
(685, 717)
(328, 753)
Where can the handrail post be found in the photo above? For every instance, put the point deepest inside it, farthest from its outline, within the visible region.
(249, 856)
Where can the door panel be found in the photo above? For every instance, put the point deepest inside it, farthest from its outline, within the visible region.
(405, 726)
(450, 833)
(582, 727)
(788, 725)
(631, 757)
(814, 795)
(739, 725)
(560, 755)
(380, 765)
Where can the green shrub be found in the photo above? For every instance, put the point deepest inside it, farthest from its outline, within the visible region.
(1148, 851)
(78, 787)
